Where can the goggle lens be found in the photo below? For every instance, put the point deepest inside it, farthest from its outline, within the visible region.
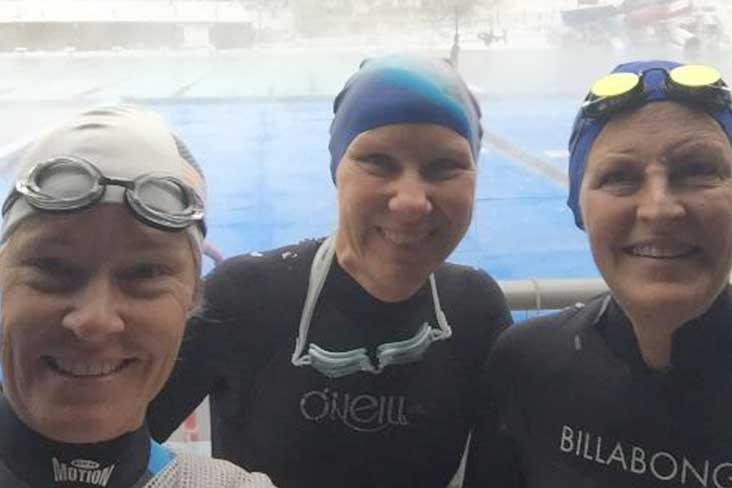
(62, 184)
(162, 195)
(615, 84)
(695, 75)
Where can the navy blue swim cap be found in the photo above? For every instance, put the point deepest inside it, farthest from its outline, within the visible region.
(400, 89)
(586, 129)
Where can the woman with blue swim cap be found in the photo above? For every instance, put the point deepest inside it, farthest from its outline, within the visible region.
(351, 360)
(99, 266)
(634, 387)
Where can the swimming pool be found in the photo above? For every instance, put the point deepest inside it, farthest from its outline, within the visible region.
(269, 183)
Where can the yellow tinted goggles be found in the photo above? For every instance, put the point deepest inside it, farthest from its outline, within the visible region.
(694, 83)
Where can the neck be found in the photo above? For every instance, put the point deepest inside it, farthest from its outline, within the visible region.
(391, 289)
(655, 344)
(654, 331)
(41, 462)
(386, 292)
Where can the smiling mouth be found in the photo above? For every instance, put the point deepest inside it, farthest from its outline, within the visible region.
(87, 369)
(676, 251)
(401, 238)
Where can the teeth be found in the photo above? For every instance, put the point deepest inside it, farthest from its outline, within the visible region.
(85, 368)
(405, 238)
(663, 252)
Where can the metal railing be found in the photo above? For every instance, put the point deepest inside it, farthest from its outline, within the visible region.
(550, 294)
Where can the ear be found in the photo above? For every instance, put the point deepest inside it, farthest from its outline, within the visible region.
(198, 300)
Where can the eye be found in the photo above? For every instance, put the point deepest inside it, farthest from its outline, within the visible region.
(617, 176)
(700, 170)
(378, 163)
(145, 272)
(444, 168)
(53, 274)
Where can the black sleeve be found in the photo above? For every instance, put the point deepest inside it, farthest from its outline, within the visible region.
(518, 360)
(492, 316)
(493, 458)
(194, 376)
(208, 342)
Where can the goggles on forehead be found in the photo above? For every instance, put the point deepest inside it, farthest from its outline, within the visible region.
(690, 83)
(68, 184)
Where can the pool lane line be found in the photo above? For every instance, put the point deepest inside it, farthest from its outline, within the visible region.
(515, 153)
(181, 91)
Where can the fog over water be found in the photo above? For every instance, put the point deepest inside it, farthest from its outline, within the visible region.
(74, 53)
(306, 48)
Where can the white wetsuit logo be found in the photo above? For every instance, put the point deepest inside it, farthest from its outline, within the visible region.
(362, 412)
(637, 460)
(81, 471)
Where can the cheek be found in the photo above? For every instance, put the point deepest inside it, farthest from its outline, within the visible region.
(162, 335)
(461, 201)
(356, 204)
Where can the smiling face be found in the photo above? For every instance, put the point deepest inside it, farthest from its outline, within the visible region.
(656, 200)
(93, 309)
(405, 199)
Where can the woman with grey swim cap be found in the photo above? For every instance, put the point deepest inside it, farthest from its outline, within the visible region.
(99, 267)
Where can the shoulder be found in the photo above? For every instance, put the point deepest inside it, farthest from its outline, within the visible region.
(466, 281)
(282, 259)
(471, 295)
(546, 338)
(247, 280)
(193, 471)
(474, 306)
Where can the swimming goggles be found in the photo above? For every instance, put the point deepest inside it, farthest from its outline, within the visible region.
(342, 363)
(617, 91)
(68, 184)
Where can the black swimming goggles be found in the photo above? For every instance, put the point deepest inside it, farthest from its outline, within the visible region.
(688, 83)
(68, 184)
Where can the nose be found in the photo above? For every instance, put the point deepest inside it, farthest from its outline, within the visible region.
(94, 314)
(411, 197)
(659, 202)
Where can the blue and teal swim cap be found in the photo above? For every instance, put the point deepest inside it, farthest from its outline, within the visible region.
(401, 89)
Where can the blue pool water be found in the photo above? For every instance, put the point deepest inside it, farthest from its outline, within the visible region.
(269, 183)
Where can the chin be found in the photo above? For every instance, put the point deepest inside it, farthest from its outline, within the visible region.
(673, 302)
(83, 427)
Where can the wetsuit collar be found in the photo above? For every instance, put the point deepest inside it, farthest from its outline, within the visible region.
(43, 463)
(698, 346)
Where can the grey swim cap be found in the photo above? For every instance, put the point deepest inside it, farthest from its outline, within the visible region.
(123, 141)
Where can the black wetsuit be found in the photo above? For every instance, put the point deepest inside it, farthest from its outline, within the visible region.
(29, 460)
(404, 427)
(570, 403)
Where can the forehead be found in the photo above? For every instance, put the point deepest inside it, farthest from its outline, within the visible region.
(397, 136)
(664, 120)
(102, 229)
(659, 125)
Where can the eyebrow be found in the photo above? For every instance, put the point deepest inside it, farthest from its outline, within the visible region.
(31, 241)
(149, 243)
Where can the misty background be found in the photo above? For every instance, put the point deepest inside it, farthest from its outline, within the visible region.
(248, 85)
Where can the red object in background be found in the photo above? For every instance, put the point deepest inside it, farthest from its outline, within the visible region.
(189, 429)
(642, 16)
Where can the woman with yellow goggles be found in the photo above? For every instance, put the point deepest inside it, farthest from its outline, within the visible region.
(632, 388)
